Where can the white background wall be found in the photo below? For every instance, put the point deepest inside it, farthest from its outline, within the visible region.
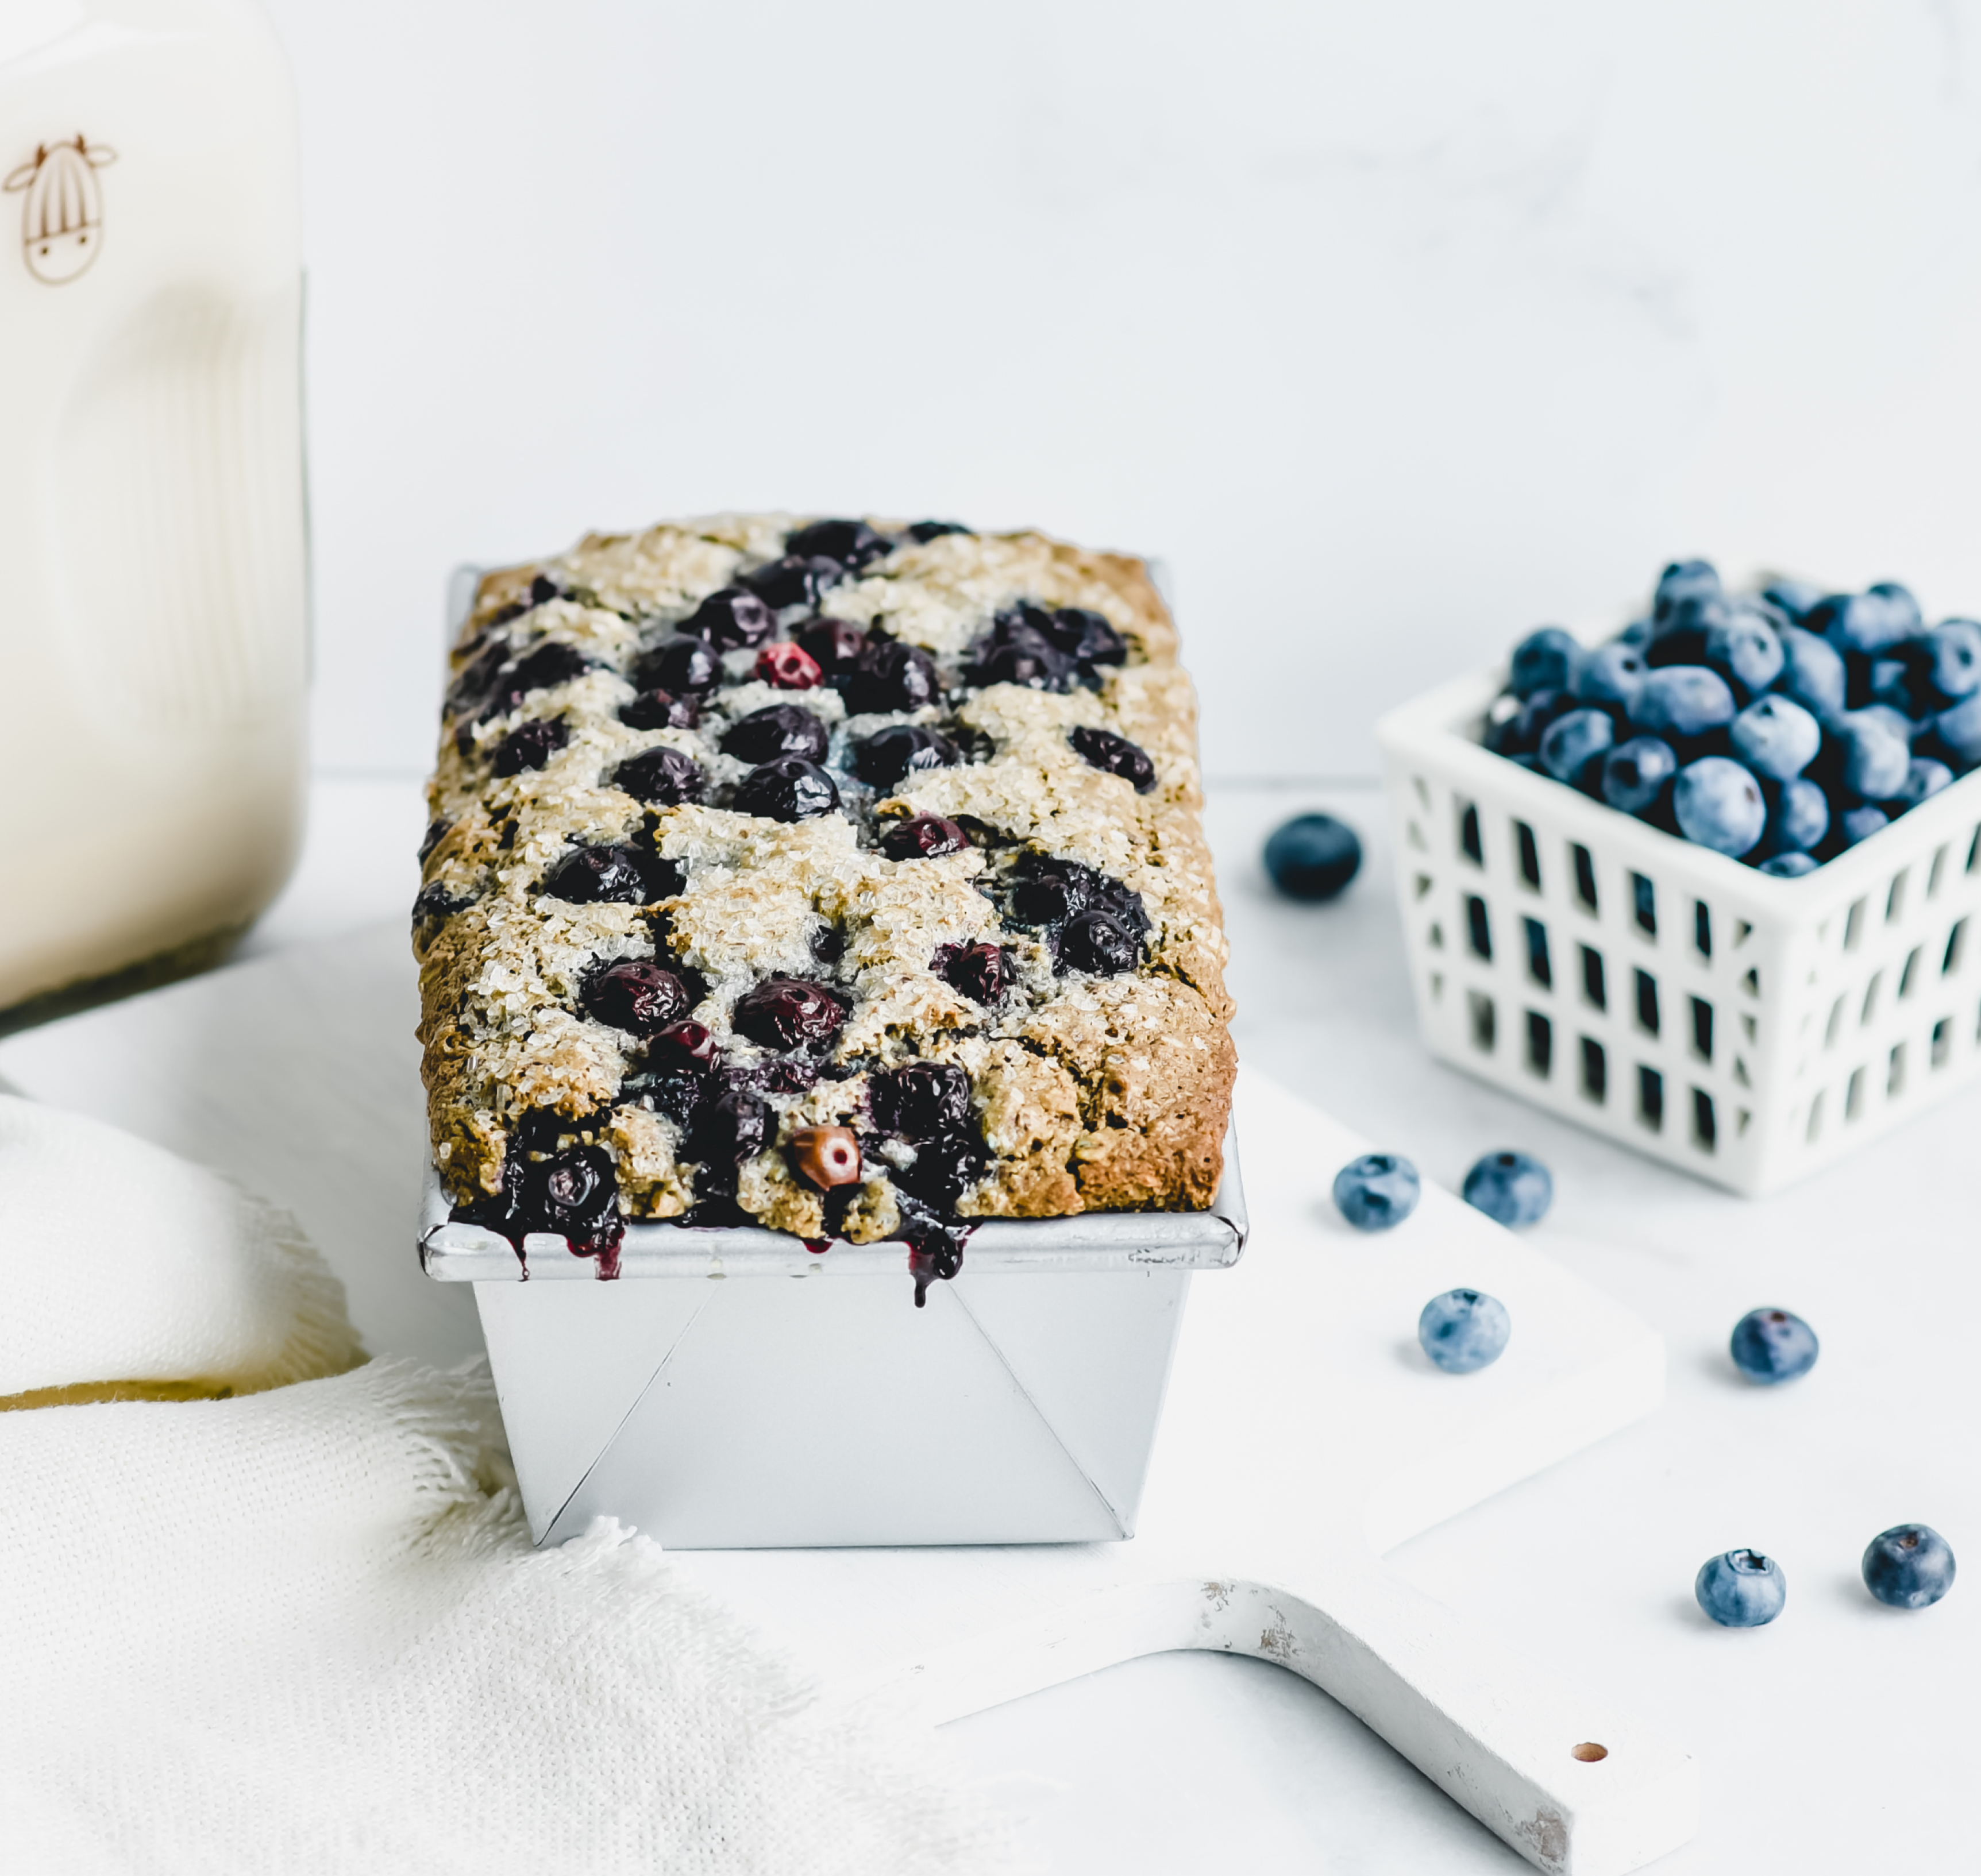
(1396, 327)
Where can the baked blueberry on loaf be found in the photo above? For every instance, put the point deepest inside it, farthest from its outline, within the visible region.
(843, 877)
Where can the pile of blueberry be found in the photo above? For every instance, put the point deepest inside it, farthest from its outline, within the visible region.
(1780, 727)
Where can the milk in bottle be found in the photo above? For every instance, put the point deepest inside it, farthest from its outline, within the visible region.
(152, 552)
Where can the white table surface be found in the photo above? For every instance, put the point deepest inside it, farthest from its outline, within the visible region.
(1839, 1738)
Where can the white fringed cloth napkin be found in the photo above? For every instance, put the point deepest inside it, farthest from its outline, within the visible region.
(302, 1629)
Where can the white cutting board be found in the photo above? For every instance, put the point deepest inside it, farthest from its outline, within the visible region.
(1304, 1433)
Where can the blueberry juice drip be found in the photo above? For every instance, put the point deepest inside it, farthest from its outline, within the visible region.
(604, 1245)
(935, 1246)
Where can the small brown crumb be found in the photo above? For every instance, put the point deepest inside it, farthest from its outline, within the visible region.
(826, 1156)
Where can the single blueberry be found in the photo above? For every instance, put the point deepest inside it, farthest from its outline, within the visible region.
(1684, 699)
(1612, 675)
(530, 745)
(1903, 609)
(1903, 682)
(729, 1129)
(923, 837)
(1954, 649)
(662, 778)
(1574, 746)
(434, 905)
(888, 676)
(1800, 818)
(1959, 730)
(1865, 622)
(1746, 650)
(1086, 636)
(778, 730)
(982, 972)
(784, 1012)
(1514, 1188)
(1776, 737)
(1020, 647)
(1514, 728)
(660, 709)
(1894, 721)
(1741, 1589)
(1718, 805)
(1114, 755)
(635, 995)
(790, 789)
(1544, 661)
(574, 1193)
(797, 579)
(1684, 580)
(1094, 941)
(1679, 635)
(833, 645)
(886, 757)
(501, 686)
(1789, 866)
(1923, 778)
(1813, 673)
(1908, 1567)
(590, 876)
(852, 543)
(1312, 857)
(1860, 823)
(1463, 1331)
(1377, 1191)
(730, 619)
(1876, 756)
(1635, 774)
(923, 532)
(1794, 597)
(680, 665)
(921, 1101)
(1770, 1346)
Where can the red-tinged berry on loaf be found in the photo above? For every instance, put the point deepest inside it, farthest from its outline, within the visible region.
(788, 667)
(923, 837)
(981, 971)
(825, 1157)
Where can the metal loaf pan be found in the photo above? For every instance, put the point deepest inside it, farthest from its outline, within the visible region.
(792, 1398)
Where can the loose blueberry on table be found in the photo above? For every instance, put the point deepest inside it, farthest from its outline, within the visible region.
(1512, 1188)
(1779, 728)
(1377, 1192)
(1908, 1567)
(1741, 1589)
(1772, 1345)
(1313, 857)
(1463, 1331)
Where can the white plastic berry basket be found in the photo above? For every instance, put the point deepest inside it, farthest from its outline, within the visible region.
(1749, 1028)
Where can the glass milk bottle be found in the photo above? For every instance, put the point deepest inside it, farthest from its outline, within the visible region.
(152, 548)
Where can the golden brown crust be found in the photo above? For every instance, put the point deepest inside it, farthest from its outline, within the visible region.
(1089, 1093)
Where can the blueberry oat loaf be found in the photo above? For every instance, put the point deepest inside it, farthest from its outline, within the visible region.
(844, 877)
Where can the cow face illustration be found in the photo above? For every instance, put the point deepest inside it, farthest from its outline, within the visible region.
(62, 221)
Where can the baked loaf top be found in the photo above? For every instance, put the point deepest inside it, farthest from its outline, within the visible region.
(843, 877)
